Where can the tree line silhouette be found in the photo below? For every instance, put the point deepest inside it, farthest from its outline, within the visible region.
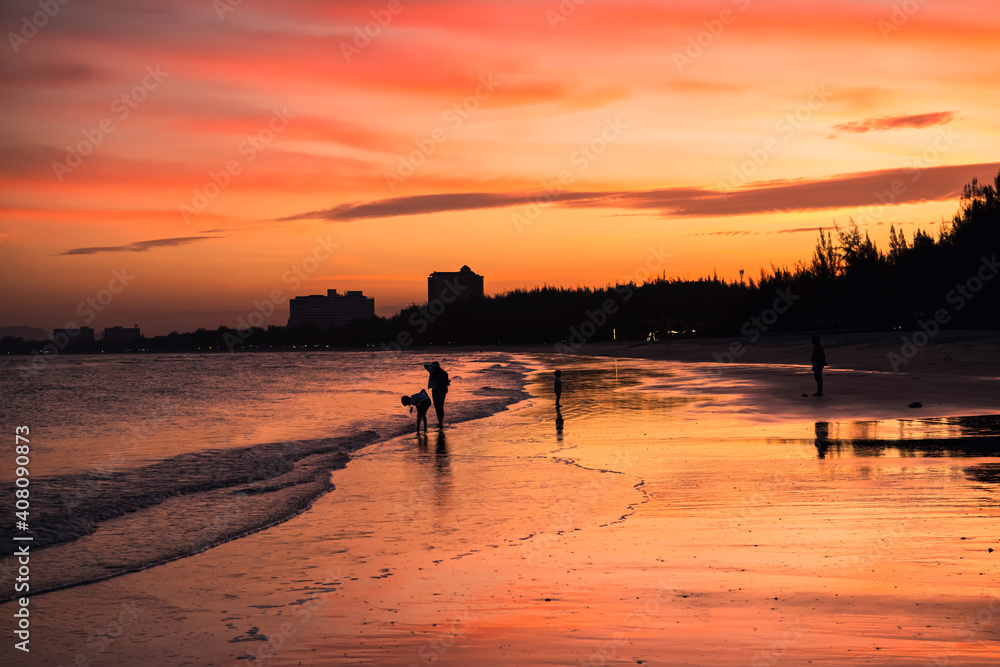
(848, 284)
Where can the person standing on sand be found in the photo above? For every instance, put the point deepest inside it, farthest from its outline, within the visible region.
(818, 362)
(557, 386)
(438, 384)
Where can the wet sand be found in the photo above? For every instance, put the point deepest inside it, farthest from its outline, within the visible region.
(653, 520)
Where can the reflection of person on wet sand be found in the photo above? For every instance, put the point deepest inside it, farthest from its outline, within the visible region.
(818, 362)
(559, 423)
(557, 386)
(441, 453)
(822, 438)
(422, 402)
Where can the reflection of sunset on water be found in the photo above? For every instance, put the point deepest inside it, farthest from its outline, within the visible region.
(629, 537)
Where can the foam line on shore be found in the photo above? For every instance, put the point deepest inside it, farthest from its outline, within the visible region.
(93, 526)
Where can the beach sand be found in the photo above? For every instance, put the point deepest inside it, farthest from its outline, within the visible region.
(671, 513)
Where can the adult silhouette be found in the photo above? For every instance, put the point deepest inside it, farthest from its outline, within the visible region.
(818, 362)
(438, 382)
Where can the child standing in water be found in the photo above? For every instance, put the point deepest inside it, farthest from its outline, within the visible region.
(557, 386)
(422, 402)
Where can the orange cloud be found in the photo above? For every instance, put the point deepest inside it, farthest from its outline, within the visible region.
(897, 122)
(139, 246)
(883, 187)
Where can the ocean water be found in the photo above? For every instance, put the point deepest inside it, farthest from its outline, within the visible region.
(142, 459)
(656, 506)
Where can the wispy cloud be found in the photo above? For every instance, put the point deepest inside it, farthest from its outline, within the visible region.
(802, 230)
(416, 205)
(728, 232)
(896, 122)
(755, 232)
(841, 191)
(139, 246)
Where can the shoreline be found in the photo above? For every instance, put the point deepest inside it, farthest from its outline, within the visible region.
(759, 346)
(945, 380)
(955, 374)
(640, 530)
(287, 478)
(974, 352)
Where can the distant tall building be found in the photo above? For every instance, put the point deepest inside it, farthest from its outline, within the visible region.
(332, 310)
(451, 286)
(121, 334)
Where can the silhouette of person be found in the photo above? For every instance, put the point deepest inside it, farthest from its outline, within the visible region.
(822, 438)
(422, 402)
(438, 383)
(557, 386)
(818, 362)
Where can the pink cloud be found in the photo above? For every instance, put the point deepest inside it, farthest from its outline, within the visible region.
(875, 188)
(896, 122)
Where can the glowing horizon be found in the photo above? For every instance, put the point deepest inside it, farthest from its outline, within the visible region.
(209, 149)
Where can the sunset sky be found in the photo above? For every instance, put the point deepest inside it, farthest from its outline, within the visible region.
(221, 154)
